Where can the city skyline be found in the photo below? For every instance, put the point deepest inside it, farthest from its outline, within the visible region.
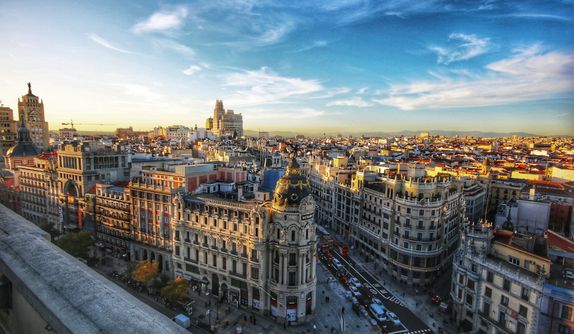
(485, 66)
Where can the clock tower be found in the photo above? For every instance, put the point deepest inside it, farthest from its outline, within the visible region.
(292, 248)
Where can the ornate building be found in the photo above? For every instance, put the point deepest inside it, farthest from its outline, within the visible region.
(80, 166)
(113, 217)
(260, 256)
(24, 152)
(224, 122)
(31, 111)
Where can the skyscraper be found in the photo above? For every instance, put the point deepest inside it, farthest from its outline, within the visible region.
(31, 110)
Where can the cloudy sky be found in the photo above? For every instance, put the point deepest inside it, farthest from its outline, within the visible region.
(304, 66)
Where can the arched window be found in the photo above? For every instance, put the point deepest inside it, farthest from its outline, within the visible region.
(292, 235)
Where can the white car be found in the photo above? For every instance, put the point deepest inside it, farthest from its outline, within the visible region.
(376, 301)
(354, 281)
(393, 317)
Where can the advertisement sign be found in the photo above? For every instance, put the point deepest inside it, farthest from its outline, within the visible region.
(291, 315)
(274, 310)
(256, 304)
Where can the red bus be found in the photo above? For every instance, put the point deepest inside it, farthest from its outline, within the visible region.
(344, 250)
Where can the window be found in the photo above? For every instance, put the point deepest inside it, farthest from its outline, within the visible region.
(254, 273)
(504, 300)
(235, 227)
(486, 309)
(224, 263)
(563, 329)
(502, 318)
(278, 234)
(488, 292)
(525, 295)
(469, 299)
(470, 284)
(421, 212)
(523, 311)
(234, 266)
(257, 231)
(514, 260)
(520, 328)
(214, 259)
(292, 259)
(461, 279)
(506, 285)
(489, 276)
(176, 250)
(292, 235)
(566, 313)
(292, 276)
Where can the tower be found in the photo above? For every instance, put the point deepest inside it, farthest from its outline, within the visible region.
(292, 248)
(31, 111)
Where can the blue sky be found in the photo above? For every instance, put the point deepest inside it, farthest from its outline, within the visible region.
(304, 66)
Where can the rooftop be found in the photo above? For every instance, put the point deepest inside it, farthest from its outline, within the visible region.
(68, 295)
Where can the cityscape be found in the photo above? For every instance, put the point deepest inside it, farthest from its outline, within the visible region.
(233, 167)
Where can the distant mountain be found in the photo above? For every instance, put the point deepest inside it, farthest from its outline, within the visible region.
(451, 133)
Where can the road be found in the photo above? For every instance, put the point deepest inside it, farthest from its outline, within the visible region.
(411, 324)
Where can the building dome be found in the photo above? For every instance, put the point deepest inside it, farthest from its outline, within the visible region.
(24, 146)
(292, 187)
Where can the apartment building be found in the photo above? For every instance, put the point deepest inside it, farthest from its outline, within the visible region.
(498, 280)
(113, 218)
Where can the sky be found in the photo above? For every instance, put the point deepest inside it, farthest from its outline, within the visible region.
(299, 66)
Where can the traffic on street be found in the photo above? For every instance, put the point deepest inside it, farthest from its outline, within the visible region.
(369, 298)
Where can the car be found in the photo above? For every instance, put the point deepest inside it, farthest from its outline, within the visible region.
(348, 295)
(436, 299)
(354, 281)
(393, 317)
(353, 289)
(376, 301)
(364, 312)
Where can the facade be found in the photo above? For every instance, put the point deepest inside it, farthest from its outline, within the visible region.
(7, 129)
(498, 281)
(152, 194)
(31, 111)
(39, 191)
(260, 256)
(411, 224)
(474, 201)
(178, 133)
(68, 133)
(113, 217)
(80, 166)
(224, 122)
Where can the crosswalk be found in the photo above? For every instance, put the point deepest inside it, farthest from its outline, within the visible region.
(420, 331)
(393, 299)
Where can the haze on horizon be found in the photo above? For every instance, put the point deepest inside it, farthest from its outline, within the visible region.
(297, 66)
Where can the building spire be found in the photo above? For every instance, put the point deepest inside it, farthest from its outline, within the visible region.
(29, 88)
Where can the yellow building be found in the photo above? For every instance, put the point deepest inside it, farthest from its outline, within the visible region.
(31, 110)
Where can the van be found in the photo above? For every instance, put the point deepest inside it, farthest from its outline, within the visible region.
(379, 312)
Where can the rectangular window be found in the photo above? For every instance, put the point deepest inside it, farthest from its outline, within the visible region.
(514, 260)
(489, 276)
(566, 313)
(525, 295)
(504, 300)
(254, 273)
(292, 276)
(506, 285)
(523, 311)
(224, 263)
(488, 292)
(486, 309)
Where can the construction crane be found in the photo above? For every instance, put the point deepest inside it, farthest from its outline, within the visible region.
(72, 124)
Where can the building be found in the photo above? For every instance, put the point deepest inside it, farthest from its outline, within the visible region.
(124, 133)
(31, 111)
(498, 280)
(8, 132)
(261, 256)
(474, 201)
(68, 133)
(224, 122)
(80, 166)
(38, 187)
(113, 218)
(23, 152)
(411, 224)
(177, 133)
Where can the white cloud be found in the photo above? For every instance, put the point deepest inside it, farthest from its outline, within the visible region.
(265, 86)
(362, 90)
(140, 91)
(314, 45)
(105, 43)
(275, 34)
(162, 21)
(352, 102)
(171, 45)
(191, 70)
(468, 46)
(529, 74)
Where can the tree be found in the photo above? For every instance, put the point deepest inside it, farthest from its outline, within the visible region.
(145, 272)
(176, 290)
(76, 244)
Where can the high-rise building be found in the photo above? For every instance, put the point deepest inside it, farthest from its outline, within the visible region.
(7, 129)
(31, 110)
(224, 122)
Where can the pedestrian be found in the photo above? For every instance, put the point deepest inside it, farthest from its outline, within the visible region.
(254, 321)
(284, 325)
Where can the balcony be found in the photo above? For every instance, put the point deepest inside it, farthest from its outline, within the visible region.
(236, 274)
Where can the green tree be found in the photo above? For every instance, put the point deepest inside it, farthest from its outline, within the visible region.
(76, 244)
(176, 290)
(145, 272)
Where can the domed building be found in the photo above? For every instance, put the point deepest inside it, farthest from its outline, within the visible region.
(24, 152)
(292, 246)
